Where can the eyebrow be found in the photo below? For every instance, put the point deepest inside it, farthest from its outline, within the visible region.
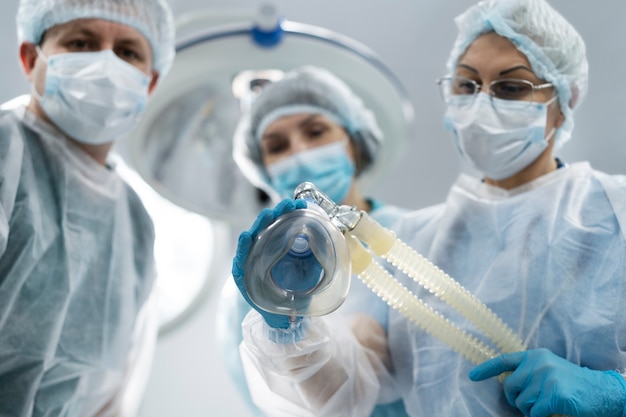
(137, 45)
(301, 124)
(503, 72)
(467, 67)
(524, 67)
(83, 29)
(308, 120)
(271, 136)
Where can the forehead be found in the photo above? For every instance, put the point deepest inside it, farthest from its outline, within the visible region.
(295, 121)
(491, 49)
(100, 28)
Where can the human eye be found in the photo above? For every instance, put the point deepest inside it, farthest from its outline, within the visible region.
(316, 131)
(511, 89)
(316, 128)
(463, 86)
(275, 146)
(128, 54)
(78, 45)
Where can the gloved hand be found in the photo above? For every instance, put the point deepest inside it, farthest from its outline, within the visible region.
(542, 384)
(264, 219)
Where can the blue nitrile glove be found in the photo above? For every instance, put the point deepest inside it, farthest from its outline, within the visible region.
(264, 219)
(542, 384)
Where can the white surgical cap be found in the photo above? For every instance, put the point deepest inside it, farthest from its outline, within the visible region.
(305, 90)
(553, 47)
(152, 18)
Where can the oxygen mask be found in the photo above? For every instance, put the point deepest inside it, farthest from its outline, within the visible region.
(299, 265)
(367, 240)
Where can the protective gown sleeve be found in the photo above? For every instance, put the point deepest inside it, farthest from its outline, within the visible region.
(11, 157)
(325, 373)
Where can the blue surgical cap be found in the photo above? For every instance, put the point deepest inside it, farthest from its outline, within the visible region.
(553, 47)
(152, 18)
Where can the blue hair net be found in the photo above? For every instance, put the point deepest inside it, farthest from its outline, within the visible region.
(553, 47)
(152, 18)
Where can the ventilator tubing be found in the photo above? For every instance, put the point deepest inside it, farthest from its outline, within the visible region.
(419, 313)
(385, 244)
(402, 300)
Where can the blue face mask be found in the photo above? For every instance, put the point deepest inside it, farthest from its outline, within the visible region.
(328, 167)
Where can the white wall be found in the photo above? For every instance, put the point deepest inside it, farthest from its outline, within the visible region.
(413, 37)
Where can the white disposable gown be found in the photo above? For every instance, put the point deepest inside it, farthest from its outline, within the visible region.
(76, 271)
(549, 258)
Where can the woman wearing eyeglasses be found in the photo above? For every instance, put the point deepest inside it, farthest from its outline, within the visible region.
(542, 243)
(505, 118)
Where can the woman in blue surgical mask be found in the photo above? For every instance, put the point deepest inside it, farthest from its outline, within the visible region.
(541, 242)
(310, 126)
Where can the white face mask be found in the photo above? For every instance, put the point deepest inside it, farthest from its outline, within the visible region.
(500, 140)
(94, 97)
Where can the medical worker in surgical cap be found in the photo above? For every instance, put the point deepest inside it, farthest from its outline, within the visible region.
(310, 126)
(76, 244)
(540, 241)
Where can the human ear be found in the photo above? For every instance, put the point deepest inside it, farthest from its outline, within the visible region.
(559, 120)
(559, 117)
(153, 82)
(355, 153)
(28, 57)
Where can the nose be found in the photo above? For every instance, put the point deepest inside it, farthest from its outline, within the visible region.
(105, 43)
(485, 88)
(298, 144)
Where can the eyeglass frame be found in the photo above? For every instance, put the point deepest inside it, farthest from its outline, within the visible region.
(478, 87)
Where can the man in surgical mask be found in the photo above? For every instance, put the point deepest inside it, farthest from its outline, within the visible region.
(540, 242)
(76, 244)
(310, 126)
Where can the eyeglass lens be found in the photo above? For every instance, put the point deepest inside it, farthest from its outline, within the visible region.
(504, 89)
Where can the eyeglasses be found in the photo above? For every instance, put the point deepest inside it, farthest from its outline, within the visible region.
(504, 89)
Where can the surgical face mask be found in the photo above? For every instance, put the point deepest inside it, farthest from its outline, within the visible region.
(328, 167)
(501, 140)
(94, 97)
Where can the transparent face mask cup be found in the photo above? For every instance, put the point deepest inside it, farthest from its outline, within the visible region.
(299, 265)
